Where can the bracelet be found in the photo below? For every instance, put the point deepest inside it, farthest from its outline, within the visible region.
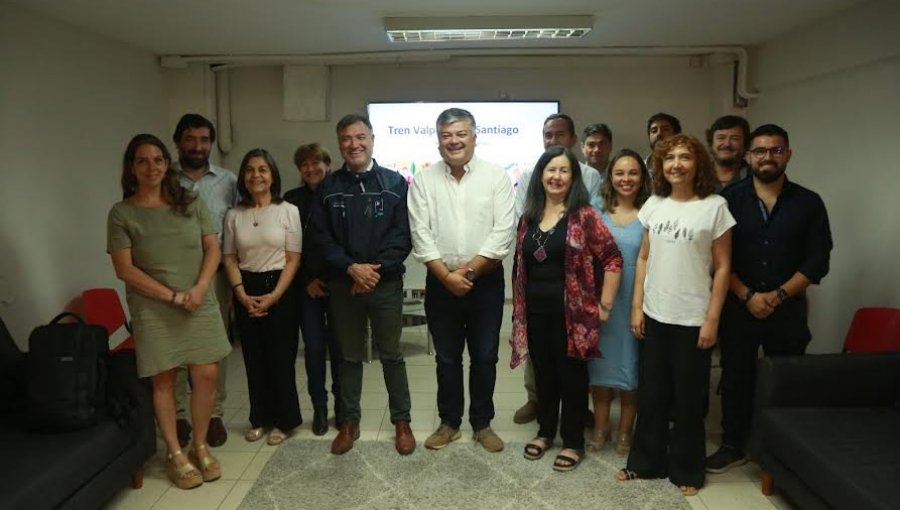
(605, 308)
(174, 295)
(236, 286)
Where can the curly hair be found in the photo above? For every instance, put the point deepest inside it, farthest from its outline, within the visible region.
(608, 194)
(174, 194)
(705, 176)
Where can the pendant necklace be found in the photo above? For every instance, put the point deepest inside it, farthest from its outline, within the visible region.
(255, 220)
(540, 254)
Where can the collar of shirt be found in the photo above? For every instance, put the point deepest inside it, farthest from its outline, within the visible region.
(368, 168)
(211, 169)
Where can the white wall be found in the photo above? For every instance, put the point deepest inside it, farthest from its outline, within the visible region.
(834, 87)
(621, 92)
(70, 101)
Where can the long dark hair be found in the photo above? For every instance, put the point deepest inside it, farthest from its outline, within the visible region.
(274, 189)
(173, 192)
(536, 198)
(608, 194)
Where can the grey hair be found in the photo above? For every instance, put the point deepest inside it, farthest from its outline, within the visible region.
(451, 115)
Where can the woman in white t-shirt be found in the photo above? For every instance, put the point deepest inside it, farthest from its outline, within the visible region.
(680, 285)
(262, 252)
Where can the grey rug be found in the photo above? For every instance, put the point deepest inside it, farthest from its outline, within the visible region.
(302, 474)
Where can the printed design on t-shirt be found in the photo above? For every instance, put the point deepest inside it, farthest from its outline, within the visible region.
(672, 231)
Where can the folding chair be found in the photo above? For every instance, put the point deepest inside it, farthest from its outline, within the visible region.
(102, 307)
(874, 330)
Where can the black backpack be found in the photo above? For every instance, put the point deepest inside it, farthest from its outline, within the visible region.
(65, 372)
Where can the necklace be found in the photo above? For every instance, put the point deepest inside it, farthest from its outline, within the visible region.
(540, 254)
(255, 219)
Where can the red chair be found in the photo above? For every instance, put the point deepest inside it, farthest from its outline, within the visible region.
(874, 330)
(102, 307)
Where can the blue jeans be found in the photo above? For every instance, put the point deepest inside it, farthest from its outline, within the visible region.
(315, 325)
(455, 323)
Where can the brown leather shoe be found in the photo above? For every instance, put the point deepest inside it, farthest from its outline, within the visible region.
(217, 434)
(343, 443)
(405, 442)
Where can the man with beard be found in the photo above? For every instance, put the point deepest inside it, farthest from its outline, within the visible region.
(727, 140)
(659, 127)
(194, 136)
(596, 145)
(781, 246)
(462, 221)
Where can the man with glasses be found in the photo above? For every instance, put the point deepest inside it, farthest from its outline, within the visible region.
(781, 246)
(727, 140)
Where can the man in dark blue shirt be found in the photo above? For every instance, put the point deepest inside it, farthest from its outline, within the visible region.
(362, 229)
(781, 246)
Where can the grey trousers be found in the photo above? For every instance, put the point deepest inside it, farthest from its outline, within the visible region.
(222, 288)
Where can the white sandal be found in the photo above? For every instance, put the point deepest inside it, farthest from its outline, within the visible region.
(255, 434)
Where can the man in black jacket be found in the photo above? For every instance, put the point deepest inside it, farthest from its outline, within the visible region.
(362, 229)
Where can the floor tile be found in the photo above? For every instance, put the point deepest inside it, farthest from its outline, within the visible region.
(236, 495)
(734, 496)
(206, 497)
(256, 466)
(140, 499)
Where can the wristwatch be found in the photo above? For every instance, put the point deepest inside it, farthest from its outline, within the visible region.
(747, 295)
(782, 294)
(470, 274)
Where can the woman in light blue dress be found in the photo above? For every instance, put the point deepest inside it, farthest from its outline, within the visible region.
(625, 189)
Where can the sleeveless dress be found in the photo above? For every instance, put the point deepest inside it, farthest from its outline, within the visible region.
(619, 366)
(168, 247)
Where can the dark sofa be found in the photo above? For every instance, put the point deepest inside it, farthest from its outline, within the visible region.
(827, 429)
(75, 470)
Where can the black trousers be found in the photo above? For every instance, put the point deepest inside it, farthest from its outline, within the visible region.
(672, 373)
(456, 323)
(559, 380)
(784, 333)
(269, 345)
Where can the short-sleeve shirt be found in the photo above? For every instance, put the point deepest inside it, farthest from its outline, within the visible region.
(259, 236)
(678, 284)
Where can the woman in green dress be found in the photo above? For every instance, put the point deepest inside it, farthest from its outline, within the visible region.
(165, 248)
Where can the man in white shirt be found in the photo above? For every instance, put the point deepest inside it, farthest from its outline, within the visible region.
(559, 129)
(596, 146)
(217, 187)
(462, 222)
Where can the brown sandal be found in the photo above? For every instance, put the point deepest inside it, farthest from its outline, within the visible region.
(537, 447)
(687, 490)
(185, 476)
(209, 466)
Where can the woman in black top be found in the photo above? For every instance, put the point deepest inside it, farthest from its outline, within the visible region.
(314, 163)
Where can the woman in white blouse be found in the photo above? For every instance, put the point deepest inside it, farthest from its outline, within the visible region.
(681, 278)
(261, 253)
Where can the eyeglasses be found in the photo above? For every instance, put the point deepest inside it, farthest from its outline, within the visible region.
(760, 152)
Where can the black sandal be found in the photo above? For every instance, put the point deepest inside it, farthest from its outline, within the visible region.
(534, 451)
(626, 475)
(564, 463)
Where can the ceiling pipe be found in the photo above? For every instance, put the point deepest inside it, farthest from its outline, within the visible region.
(223, 62)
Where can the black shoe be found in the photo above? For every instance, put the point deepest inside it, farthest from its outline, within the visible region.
(183, 430)
(217, 434)
(320, 421)
(725, 458)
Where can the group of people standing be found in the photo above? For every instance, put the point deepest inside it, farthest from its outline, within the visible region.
(625, 275)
